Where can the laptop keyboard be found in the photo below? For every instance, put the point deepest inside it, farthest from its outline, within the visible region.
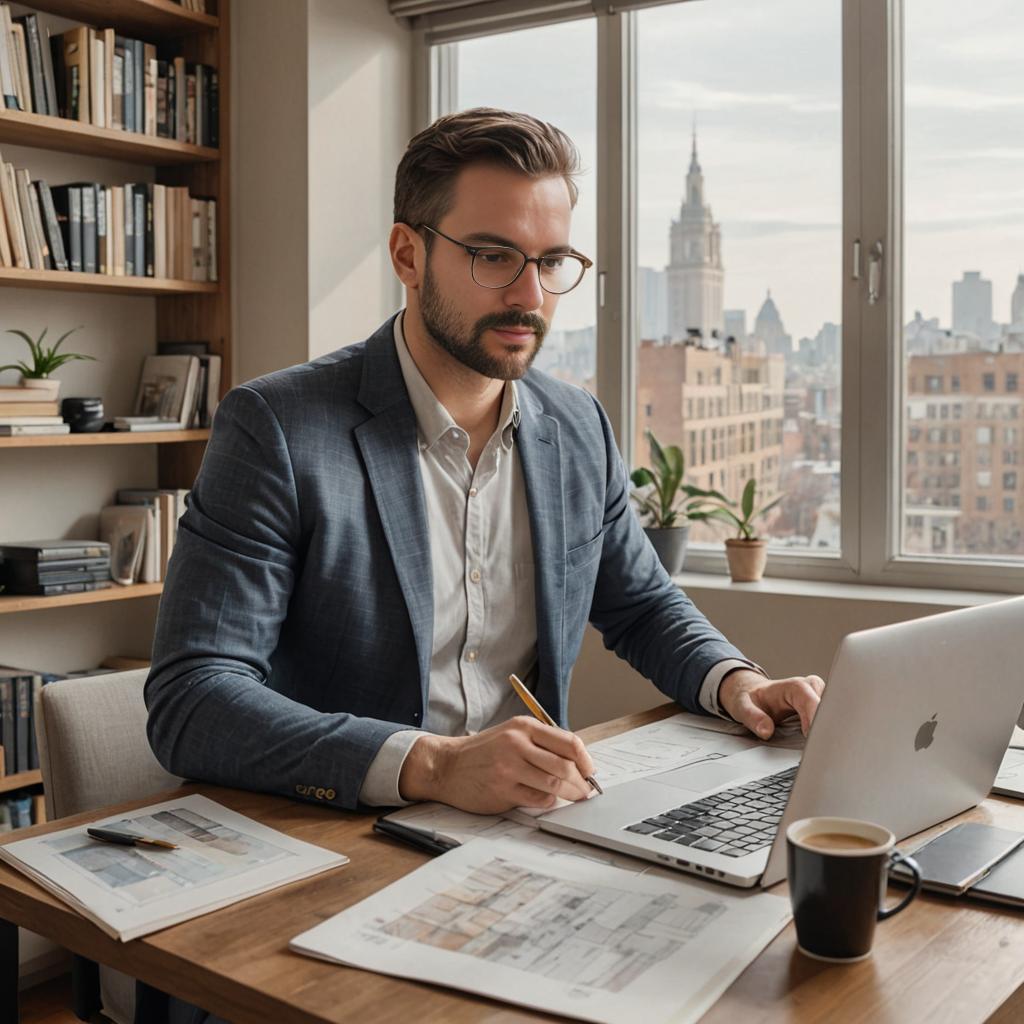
(733, 822)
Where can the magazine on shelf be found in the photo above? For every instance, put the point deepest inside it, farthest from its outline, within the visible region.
(129, 891)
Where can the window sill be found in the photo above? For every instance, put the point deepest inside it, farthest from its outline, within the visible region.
(694, 583)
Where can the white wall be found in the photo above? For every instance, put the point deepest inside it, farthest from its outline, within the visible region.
(322, 113)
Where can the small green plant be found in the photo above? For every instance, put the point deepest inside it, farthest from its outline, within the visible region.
(44, 359)
(744, 523)
(665, 498)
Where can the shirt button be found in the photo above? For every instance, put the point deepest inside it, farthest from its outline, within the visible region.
(472, 492)
(475, 575)
(470, 655)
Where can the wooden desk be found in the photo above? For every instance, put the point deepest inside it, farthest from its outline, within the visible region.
(938, 961)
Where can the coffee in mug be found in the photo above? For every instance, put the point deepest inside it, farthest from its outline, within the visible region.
(837, 872)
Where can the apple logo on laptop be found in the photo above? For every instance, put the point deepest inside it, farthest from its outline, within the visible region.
(926, 733)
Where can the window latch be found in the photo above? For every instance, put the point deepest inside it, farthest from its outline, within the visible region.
(874, 273)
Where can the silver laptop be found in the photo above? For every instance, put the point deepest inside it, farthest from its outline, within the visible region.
(912, 728)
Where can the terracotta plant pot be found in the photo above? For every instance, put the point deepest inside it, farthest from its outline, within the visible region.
(48, 387)
(670, 543)
(746, 559)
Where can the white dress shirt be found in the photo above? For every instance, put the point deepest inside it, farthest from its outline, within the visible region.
(481, 556)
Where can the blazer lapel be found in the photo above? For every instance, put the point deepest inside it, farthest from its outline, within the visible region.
(537, 441)
(388, 443)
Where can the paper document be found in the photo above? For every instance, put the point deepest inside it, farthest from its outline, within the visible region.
(567, 936)
(1010, 780)
(128, 891)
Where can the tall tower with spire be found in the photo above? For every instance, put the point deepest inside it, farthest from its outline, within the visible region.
(695, 272)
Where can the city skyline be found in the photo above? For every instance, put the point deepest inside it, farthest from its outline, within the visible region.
(771, 148)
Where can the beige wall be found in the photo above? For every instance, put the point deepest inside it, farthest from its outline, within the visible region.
(787, 634)
(323, 110)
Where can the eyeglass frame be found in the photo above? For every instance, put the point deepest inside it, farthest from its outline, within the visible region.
(472, 250)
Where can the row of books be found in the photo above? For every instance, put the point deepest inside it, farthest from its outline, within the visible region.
(141, 530)
(102, 78)
(176, 391)
(133, 230)
(18, 691)
(21, 412)
(21, 809)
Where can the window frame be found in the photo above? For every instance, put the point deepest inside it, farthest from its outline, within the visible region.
(871, 461)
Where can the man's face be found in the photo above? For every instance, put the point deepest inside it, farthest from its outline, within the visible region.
(495, 331)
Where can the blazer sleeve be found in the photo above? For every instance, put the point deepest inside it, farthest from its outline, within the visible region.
(642, 615)
(212, 714)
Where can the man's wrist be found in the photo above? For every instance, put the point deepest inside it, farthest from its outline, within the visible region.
(734, 679)
(424, 768)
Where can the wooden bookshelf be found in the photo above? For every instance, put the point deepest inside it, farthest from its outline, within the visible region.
(24, 603)
(107, 438)
(156, 19)
(77, 281)
(20, 780)
(19, 128)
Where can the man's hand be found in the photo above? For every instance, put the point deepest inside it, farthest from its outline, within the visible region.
(520, 763)
(760, 703)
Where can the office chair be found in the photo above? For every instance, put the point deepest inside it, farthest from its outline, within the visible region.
(93, 751)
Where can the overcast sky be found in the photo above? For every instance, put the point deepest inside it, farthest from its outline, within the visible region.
(763, 80)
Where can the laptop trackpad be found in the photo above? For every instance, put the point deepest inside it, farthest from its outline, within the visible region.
(706, 775)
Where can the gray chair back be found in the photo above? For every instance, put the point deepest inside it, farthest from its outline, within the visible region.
(93, 752)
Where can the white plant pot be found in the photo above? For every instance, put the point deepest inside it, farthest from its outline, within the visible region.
(47, 387)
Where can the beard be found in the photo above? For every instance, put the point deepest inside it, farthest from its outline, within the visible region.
(447, 327)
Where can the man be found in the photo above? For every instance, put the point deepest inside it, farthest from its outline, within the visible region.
(378, 538)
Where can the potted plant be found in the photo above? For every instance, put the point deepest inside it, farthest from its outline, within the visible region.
(746, 552)
(45, 360)
(668, 503)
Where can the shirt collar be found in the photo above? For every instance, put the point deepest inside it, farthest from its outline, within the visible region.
(432, 418)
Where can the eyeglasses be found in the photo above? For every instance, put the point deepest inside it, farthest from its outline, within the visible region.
(498, 266)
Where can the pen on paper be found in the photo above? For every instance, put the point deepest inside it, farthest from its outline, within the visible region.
(539, 713)
(109, 835)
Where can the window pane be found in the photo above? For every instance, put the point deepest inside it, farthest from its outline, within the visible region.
(739, 235)
(528, 71)
(963, 275)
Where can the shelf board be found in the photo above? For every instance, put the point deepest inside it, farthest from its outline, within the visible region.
(70, 281)
(105, 438)
(25, 603)
(144, 18)
(20, 779)
(19, 128)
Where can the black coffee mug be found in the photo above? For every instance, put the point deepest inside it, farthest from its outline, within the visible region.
(838, 868)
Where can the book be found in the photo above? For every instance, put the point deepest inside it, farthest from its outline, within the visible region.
(15, 582)
(8, 725)
(32, 231)
(167, 388)
(52, 589)
(52, 226)
(12, 214)
(23, 712)
(33, 46)
(67, 204)
(123, 527)
(30, 419)
(221, 857)
(9, 97)
(53, 550)
(19, 57)
(25, 406)
(76, 67)
(45, 430)
(49, 78)
(143, 424)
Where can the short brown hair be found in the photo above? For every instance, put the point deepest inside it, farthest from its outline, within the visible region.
(425, 181)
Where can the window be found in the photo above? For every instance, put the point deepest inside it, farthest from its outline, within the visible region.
(1009, 481)
(739, 160)
(984, 478)
(739, 226)
(541, 82)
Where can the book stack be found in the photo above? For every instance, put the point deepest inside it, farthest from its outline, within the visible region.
(141, 530)
(21, 413)
(199, 6)
(18, 691)
(48, 567)
(102, 78)
(127, 230)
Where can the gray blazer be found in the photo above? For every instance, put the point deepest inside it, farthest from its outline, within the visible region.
(294, 633)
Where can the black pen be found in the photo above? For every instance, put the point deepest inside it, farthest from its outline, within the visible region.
(109, 835)
(414, 837)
